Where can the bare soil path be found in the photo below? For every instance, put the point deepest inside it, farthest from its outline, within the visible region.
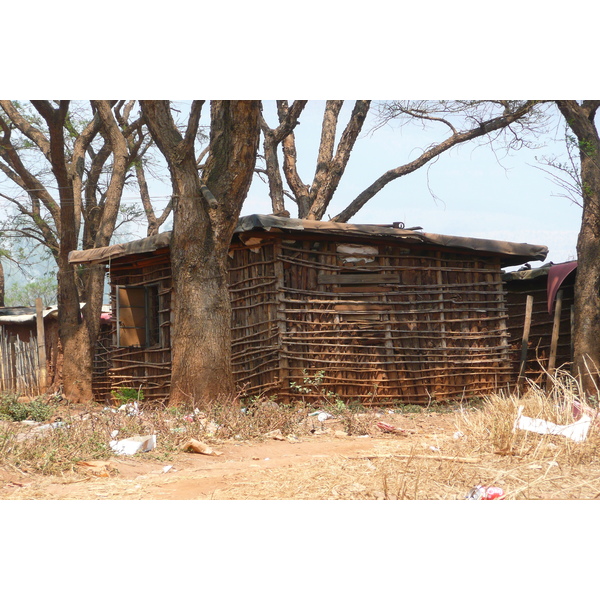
(244, 470)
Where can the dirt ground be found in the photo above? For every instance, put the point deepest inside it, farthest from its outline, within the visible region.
(429, 460)
(244, 470)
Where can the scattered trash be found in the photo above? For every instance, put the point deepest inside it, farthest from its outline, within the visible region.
(210, 427)
(434, 449)
(50, 426)
(458, 434)
(189, 418)
(114, 434)
(193, 445)
(134, 444)
(275, 435)
(580, 409)
(577, 431)
(480, 492)
(131, 409)
(321, 415)
(389, 428)
(167, 468)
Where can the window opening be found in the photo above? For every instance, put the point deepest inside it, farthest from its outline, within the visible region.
(137, 316)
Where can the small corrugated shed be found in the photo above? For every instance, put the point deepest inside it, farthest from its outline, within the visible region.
(376, 314)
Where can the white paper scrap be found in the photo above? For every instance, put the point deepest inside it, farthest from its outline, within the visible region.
(577, 431)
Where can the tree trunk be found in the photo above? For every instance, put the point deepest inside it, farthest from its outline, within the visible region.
(201, 346)
(586, 328)
(204, 217)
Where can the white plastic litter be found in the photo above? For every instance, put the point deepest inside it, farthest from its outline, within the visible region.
(577, 431)
(131, 409)
(321, 415)
(138, 443)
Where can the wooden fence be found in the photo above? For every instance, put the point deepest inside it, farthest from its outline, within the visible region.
(19, 365)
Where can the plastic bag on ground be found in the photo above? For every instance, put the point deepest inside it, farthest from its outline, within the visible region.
(137, 443)
(577, 431)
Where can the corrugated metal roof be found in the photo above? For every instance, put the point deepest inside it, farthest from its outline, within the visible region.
(511, 253)
(26, 314)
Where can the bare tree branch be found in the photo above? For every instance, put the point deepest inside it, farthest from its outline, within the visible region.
(482, 128)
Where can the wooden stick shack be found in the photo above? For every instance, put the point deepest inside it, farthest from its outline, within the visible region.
(378, 314)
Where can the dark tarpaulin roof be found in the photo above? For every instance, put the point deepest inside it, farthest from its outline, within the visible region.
(556, 274)
(511, 253)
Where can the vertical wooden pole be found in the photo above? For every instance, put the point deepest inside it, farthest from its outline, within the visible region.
(284, 370)
(525, 341)
(12, 340)
(555, 334)
(41, 344)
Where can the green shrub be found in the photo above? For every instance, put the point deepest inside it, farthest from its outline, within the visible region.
(125, 395)
(13, 410)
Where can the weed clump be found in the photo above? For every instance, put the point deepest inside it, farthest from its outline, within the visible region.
(11, 409)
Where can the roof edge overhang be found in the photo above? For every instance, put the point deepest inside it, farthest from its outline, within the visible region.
(510, 253)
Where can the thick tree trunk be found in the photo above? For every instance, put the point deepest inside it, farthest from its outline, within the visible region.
(201, 347)
(586, 332)
(201, 330)
(204, 217)
(587, 299)
(77, 374)
(586, 347)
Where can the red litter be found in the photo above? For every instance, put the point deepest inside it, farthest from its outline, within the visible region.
(389, 428)
(480, 492)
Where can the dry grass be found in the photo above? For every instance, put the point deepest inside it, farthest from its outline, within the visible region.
(487, 449)
(51, 449)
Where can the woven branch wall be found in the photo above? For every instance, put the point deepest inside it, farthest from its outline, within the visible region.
(375, 323)
(148, 368)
